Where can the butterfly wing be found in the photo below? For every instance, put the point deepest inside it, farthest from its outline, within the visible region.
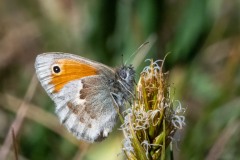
(79, 87)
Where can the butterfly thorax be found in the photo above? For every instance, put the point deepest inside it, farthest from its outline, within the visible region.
(122, 85)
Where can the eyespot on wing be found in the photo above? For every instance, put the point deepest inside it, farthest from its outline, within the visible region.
(67, 70)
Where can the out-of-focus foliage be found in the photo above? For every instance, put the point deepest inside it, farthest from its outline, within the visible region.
(202, 36)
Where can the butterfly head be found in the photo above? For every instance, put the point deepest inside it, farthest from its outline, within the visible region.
(125, 75)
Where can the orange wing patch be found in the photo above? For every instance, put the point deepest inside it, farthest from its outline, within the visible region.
(65, 71)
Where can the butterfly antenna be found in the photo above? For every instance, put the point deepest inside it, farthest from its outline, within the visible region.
(122, 60)
(134, 53)
(142, 51)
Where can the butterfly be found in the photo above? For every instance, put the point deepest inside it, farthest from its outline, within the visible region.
(85, 92)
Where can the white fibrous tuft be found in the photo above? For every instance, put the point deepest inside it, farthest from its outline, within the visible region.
(154, 117)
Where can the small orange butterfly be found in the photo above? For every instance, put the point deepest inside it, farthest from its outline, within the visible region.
(85, 92)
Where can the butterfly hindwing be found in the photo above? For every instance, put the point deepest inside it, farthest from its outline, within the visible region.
(90, 115)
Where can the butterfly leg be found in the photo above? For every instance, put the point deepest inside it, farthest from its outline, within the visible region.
(114, 96)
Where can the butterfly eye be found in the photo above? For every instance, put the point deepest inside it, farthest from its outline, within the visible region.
(56, 69)
(123, 74)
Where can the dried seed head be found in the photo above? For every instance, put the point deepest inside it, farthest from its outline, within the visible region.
(154, 117)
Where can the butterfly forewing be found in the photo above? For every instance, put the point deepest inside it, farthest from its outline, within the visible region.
(79, 88)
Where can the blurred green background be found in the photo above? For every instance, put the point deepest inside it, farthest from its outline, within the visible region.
(202, 36)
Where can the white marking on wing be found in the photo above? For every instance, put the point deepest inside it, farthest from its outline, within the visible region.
(70, 121)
